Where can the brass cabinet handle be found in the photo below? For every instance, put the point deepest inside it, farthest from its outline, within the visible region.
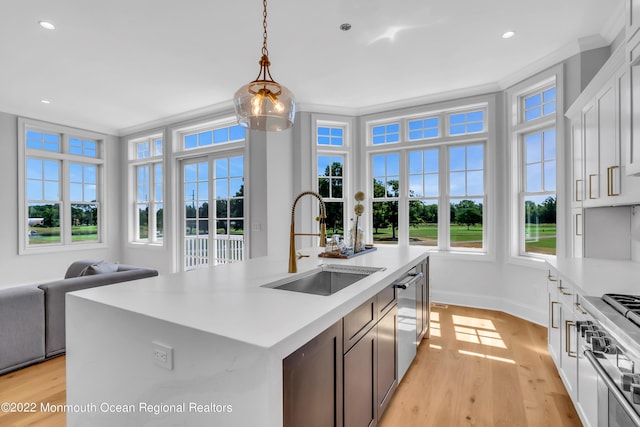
(562, 288)
(553, 318)
(591, 185)
(610, 189)
(550, 277)
(578, 228)
(578, 192)
(567, 342)
(579, 308)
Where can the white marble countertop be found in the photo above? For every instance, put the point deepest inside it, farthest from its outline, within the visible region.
(595, 277)
(229, 300)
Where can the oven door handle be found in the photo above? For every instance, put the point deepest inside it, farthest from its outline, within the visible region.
(611, 386)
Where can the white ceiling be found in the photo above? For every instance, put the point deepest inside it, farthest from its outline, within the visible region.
(113, 65)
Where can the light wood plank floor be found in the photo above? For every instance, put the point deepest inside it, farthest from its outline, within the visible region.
(479, 368)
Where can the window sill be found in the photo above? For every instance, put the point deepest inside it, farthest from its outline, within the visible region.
(528, 261)
(41, 250)
(461, 255)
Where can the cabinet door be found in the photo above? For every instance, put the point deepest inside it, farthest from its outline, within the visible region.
(360, 406)
(555, 314)
(312, 382)
(608, 143)
(591, 151)
(358, 322)
(578, 163)
(569, 342)
(387, 365)
(633, 150)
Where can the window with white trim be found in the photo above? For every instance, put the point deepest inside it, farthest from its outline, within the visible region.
(431, 189)
(331, 169)
(534, 157)
(62, 175)
(212, 178)
(146, 165)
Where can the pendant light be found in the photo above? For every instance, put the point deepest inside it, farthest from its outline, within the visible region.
(264, 104)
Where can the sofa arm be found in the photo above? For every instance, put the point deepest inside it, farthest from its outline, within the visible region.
(21, 327)
(54, 300)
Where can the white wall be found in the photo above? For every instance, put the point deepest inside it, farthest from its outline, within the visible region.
(21, 269)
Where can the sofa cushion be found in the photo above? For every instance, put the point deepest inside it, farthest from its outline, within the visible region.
(76, 267)
(22, 339)
(101, 267)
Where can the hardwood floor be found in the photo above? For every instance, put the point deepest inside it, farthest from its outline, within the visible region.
(479, 368)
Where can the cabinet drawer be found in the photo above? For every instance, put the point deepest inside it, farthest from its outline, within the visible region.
(356, 324)
(386, 299)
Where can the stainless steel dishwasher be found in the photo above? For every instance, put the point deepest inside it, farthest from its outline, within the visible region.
(407, 320)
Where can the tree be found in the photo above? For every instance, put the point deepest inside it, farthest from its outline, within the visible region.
(468, 213)
(385, 213)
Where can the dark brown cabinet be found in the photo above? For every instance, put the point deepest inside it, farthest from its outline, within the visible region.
(312, 382)
(347, 375)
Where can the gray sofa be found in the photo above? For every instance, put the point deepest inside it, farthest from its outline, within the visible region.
(32, 317)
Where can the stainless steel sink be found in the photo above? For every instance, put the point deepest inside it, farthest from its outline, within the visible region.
(326, 280)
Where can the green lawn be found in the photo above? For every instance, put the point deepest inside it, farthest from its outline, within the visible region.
(427, 235)
(47, 235)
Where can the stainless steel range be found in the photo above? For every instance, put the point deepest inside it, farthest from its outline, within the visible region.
(610, 340)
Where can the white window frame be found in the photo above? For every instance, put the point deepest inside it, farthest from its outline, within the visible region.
(180, 155)
(65, 158)
(404, 146)
(345, 151)
(517, 128)
(150, 161)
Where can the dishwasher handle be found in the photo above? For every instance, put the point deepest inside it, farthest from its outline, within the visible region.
(409, 280)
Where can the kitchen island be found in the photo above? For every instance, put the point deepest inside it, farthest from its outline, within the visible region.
(204, 347)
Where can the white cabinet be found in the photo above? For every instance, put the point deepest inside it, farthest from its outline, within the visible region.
(632, 115)
(555, 314)
(565, 347)
(587, 393)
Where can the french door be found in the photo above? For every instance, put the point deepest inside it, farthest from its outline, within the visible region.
(212, 210)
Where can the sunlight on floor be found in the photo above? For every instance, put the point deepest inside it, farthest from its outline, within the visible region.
(435, 346)
(487, 356)
(434, 329)
(473, 322)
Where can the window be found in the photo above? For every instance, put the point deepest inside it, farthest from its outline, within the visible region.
(333, 136)
(61, 171)
(466, 192)
(431, 189)
(464, 123)
(539, 193)
(424, 192)
(210, 137)
(330, 187)
(541, 103)
(147, 168)
(211, 174)
(386, 190)
(424, 128)
(534, 152)
(385, 134)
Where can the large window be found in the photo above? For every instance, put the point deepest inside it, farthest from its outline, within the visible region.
(534, 165)
(147, 167)
(331, 170)
(212, 180)
(62, 176)
(430, 190)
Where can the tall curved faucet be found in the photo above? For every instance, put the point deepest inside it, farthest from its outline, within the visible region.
(293, 267)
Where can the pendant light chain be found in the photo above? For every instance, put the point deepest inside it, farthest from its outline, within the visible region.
(265, 51)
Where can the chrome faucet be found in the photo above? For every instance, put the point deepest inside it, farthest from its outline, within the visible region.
(293, 267)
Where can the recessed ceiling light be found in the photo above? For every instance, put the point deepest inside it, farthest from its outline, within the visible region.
(45, 101)
(47, 25)
(508, 35)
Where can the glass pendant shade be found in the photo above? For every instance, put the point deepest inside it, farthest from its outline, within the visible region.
(265, 105)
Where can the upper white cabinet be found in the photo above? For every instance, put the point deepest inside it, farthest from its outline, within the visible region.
(632, 149)
(602, 138)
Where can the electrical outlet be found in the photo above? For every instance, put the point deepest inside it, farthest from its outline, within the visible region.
(163, 355)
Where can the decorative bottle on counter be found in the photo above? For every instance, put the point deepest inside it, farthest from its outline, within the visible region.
(356, 237)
